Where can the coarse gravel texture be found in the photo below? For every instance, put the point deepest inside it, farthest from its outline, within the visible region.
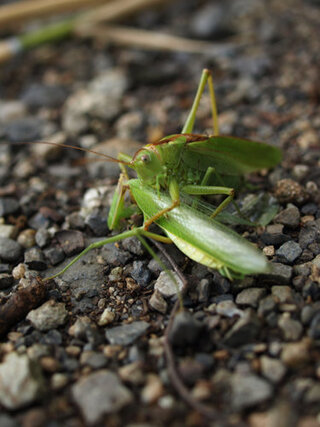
(88, 349)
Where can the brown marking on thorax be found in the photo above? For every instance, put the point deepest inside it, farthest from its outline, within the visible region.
(190, 137)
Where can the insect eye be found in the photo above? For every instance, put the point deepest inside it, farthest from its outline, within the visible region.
(145, 158)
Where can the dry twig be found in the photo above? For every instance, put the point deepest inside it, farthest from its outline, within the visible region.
(145, 39)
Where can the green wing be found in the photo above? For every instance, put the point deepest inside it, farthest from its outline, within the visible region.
(230, 155)
(201, 238)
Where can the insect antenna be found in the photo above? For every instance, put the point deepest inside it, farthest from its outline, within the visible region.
(86, 150)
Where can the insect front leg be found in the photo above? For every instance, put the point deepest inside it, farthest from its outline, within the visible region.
(118, 210)
(202, 190)
(175, 197)
(206, 77)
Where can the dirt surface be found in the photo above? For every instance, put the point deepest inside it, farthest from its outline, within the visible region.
(88, 348)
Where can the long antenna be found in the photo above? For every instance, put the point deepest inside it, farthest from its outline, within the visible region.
(86, 150)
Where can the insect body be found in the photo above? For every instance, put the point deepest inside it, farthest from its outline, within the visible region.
(191, 164)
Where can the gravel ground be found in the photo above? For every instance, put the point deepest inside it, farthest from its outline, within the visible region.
(88, 347)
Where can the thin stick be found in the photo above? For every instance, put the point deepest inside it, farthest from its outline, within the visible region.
(175, 378)
(11, 14)
(149, 40)
(117, 9)
(78, 24)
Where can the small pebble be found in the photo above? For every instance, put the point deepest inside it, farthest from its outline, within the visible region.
(99, 394)
(280, 273)
(42, 237)
(34, 259)
(71, 241)
(27, 238)
(289, 191)
(6, 280)
(244, 331)
(21, 381)
(157, 302)
(296, 354)
(59, 381)
(140, 273)
(126, 334)
(273, 369)
(107, 317)
(8, 206)
(251, 296)
(93, 359)
(291, 329)
(153, 389)
(248, 390)
(289, 252)
(166, 286)
(314, 330)
(289, 217)
(10, 250)
(19, 271)
(282, 294)
(54, 255)
(8, 231)
(48, 316)
(185, 329)
(132, 373)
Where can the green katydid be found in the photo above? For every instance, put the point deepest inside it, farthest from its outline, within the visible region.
(188, 163)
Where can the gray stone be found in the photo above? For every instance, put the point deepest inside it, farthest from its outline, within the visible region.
(126, 334)
(157, 302)
(7, 421)
(27, 238)
(93, 359)
(291, 329)
(11, 110)
(10, 250)
(211, 20)
(97, 221)
(251, 296)
(6, 280)
(34, 259)
(185, 329)
(99, 394)
(100, 99)
(21, 381)
(267, 305)
(133, 245)
(296, 354)
(228, 308)
(71, 241)
(313, 394)
(282, 294)
(314, 330)
(8, 205)
(289, 252)
(8, 231)
(273, 369)
(289, 217)
(39, 95)
(309, 233)
(26, 129)
(166, 286)
(244, 330)
(49, 315)
(140, 273)
(280, 273)
(307, 313)
(248, 390)
(54, 255)
(42, 237)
